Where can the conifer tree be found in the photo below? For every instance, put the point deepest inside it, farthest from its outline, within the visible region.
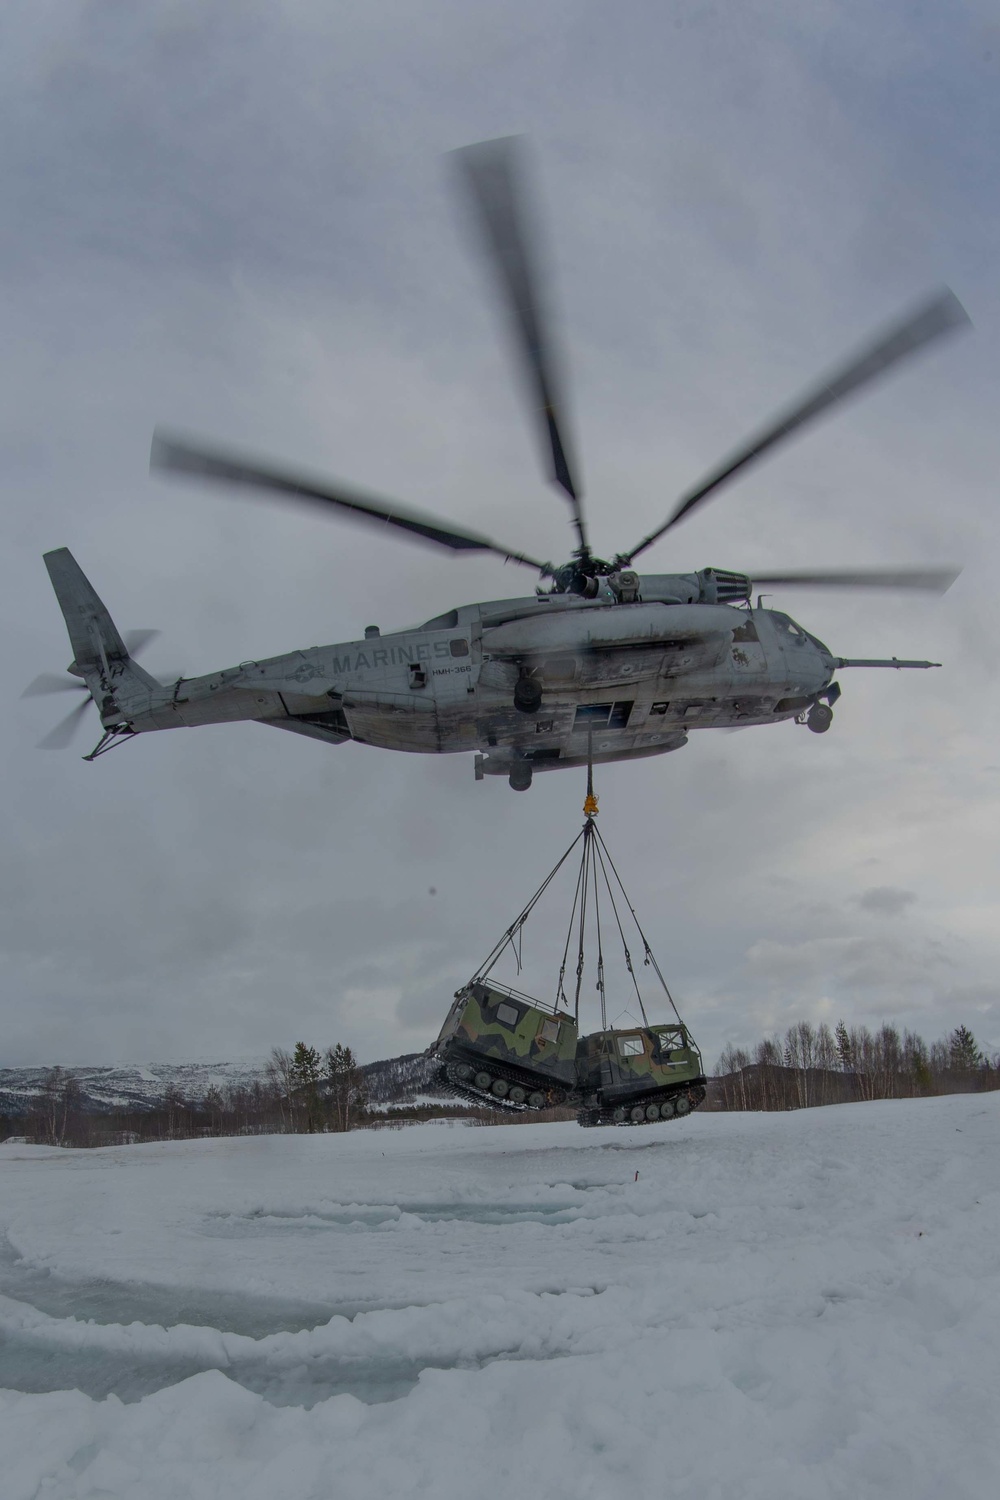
(965, 1055)
(305, 1071)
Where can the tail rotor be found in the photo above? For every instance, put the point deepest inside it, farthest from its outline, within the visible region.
(47, 683)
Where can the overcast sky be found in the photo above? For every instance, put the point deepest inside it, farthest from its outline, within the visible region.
(236, 218)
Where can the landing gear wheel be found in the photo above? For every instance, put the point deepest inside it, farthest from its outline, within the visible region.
(483, 1080)
(682, 1104)
(516, 1094)
(819, 718)
(528, 695)
(520, 776)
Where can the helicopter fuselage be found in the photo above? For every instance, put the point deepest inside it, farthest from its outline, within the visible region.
(618, 680)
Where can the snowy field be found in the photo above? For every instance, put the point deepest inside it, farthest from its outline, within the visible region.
(802, 1305)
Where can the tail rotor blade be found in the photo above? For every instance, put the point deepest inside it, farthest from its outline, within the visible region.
(136, 641)
(49, 682)
(60, 737)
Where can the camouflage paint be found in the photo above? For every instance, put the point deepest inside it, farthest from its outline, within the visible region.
(668, 1058)
(473, 1029)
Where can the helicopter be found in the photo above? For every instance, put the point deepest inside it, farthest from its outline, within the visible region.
(601, 661)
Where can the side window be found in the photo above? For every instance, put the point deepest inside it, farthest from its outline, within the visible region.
(507, 1014)
(603, 715)
(459, 646)
(630, 1046)
(548, 1031)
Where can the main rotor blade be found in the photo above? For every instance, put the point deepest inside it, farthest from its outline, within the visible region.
(59, 738)
(493, 174)
(930, 580)
(933, 319)
(49, 682)
(136, 641)
(174, 455)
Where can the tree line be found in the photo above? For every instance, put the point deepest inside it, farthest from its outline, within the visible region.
(308, 1091)
(812, 1065)
(300, 1091)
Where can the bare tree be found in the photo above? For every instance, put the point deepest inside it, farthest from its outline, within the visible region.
(281, 1083)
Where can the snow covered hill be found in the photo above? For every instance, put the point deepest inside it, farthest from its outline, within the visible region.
(135, 1086)
(769, 1306)
(128, 1085)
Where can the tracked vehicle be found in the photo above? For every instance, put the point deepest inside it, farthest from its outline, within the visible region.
(638, 1076)
(505, 1049)
(501, 1048)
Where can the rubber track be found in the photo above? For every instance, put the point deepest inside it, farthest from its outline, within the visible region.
(696, 1095)
(443, 1080)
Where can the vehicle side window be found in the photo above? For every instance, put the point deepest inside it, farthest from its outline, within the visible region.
(630, 1046)
(549, 1031)
(459, 646)
(507, 1014)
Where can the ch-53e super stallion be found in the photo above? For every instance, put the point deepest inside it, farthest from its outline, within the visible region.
(599, 658)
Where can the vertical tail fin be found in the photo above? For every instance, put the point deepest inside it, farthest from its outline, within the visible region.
(92, 632)
(119, 686)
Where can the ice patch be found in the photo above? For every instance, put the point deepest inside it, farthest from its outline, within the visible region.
(375, 1356)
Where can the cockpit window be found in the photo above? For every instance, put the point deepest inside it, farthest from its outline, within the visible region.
(787, 627)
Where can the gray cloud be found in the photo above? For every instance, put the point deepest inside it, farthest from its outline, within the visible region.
(885, 900)
(237, 220)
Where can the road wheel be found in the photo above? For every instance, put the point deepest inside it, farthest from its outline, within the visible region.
(619, 1115)
(682, 1104)
(463, 1072)
(637, 1113)
(667, 1109)
(499, 1086)
(652, 1111)
(483, 1080)
(516, 1094)
(536, 1100)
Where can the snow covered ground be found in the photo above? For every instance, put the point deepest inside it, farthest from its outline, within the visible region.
(802, 1305)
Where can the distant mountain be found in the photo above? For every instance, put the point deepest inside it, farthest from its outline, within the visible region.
(400, 1080)
(132, 1086)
